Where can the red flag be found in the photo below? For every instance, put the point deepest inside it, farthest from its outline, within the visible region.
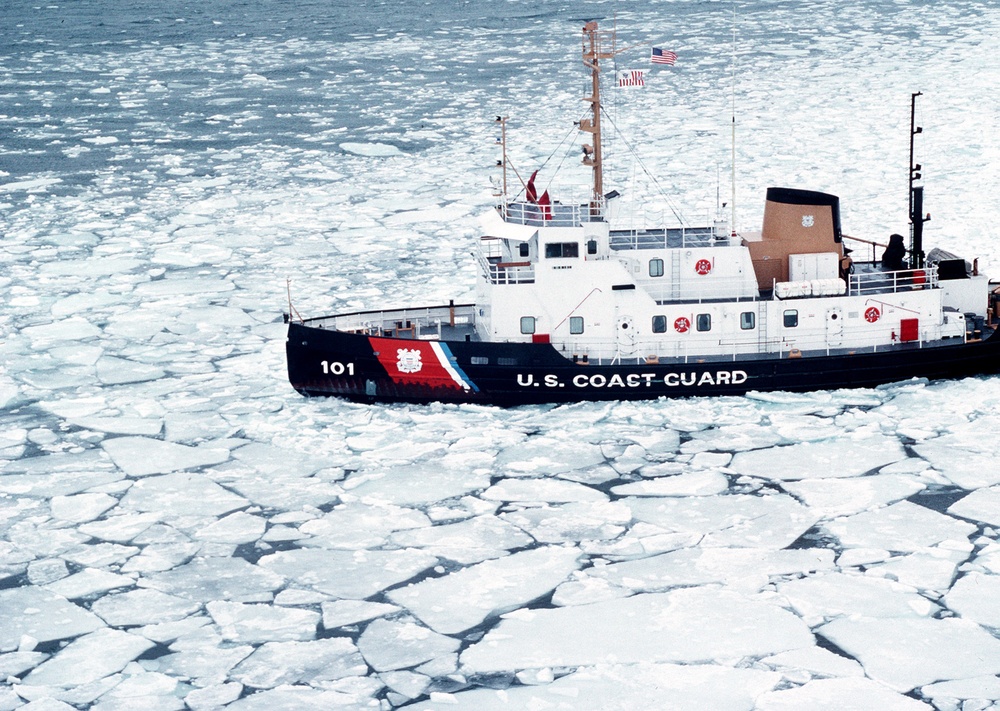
(530, 190)
(546, 205)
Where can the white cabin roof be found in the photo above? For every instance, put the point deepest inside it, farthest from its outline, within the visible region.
(495, 226)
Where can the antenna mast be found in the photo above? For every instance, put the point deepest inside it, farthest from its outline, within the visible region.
(593, 52)
(502, 140)
(916, 194)
(732, 226)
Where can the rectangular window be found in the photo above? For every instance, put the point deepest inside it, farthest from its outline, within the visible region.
(479, 360)
(655, 267)
(576, 324)
(527, 324)
(659, 324)
(564, 250)
(506, 361)
(523, 249)
(592, 247)
(747, 320)
(791, 318)
(703, 322)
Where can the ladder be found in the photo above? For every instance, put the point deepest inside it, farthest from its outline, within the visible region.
(762, 309)
(675, 275)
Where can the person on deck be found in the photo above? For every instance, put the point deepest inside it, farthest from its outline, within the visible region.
(892, 257)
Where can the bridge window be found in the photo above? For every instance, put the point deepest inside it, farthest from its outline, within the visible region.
(576, 324)
(659, 324)
(791, 318)
(748, 320)
(527, 324)
(655, 267)
(565, 250)
(703, 322)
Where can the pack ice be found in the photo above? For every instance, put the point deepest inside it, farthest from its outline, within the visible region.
(180, 530)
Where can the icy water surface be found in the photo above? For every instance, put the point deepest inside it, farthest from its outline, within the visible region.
(182, 530)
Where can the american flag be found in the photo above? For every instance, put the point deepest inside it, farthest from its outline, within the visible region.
(663, 56)
(632, 77)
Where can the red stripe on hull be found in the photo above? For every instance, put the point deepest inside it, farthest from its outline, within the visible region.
(412, 362)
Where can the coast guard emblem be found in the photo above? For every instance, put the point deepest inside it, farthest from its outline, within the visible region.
(808, 221)
(408, 360)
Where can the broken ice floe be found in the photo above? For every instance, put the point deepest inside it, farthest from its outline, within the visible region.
(834, 458)
(43, 616)
(906, 652)
(463, 599)
(371, 149)
(143, 456)
(89, 658)
(619, 687)
(693, 625)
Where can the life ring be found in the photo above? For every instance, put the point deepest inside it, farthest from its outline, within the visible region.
(682, 325)
(703, 266)
(872, 314)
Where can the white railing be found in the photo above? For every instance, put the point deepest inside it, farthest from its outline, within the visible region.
(892, 282)
(555, 215)
(668, 237)
(490, 248)
(412, 322)
(676, 348)
(498, 271)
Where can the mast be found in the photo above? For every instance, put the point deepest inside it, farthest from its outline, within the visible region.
(593, 52)
(732, 224)
(502, 140)
(916, 195)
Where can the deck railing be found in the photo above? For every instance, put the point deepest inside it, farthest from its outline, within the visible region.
(732, 348)
(669, 237)
(412, 322)
(892, 282)
(555, 215)
(497, 270)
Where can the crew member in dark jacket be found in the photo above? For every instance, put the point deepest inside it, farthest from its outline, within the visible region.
(892, 257)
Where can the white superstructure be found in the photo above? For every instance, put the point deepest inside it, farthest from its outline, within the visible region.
(602, 294)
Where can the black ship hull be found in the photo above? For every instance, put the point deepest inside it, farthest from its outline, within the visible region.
(323, 362)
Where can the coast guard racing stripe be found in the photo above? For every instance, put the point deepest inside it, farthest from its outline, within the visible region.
(428, 363)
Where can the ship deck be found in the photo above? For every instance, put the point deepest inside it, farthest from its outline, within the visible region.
(453, 322)
(980, 334)
(457, 323)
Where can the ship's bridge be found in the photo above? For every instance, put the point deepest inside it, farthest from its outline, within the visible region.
(517, 235)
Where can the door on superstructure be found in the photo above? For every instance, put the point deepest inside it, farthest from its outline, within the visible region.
(834, 326)
(626, 336)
